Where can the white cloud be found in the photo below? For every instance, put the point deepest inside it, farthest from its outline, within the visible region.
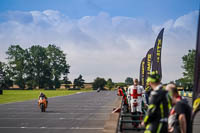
(101, 45)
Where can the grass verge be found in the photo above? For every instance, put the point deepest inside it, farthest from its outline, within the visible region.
(10, 96)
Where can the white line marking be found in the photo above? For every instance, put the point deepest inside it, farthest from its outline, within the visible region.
(51, 107)
(43, 127)
(72, 110)
(63, 107)
(88, 119)
(79, 92)
(47, 113)
(56, 128)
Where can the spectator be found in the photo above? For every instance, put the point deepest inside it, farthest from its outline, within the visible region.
(183, 112)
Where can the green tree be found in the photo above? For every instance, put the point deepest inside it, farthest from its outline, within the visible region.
(188, 66)
(37, 66)
(49, 64)
(129, 81)
(65, 76)
(109, 84)
(58, 63)
(5, 75)
(40, 72)
(99, 83)
(2, 75)
(17, 64)
(66, 80)
(79, 82)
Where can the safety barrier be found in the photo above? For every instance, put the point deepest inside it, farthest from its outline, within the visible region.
(126, 122)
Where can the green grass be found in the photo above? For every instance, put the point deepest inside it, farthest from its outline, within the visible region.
(10, 96)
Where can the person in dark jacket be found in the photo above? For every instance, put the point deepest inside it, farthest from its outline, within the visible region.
(182, 112)
(156, 119)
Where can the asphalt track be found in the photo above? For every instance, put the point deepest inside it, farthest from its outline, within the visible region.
(79, 113)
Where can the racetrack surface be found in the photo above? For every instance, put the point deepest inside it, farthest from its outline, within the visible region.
(78, 113)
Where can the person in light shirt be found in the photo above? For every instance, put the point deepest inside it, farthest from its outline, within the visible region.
(135, 92)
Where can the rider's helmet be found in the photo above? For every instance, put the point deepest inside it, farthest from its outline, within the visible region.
(154, 77)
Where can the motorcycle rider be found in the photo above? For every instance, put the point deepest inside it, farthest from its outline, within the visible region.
(135, 93)
(156, 119)
(99, 89)
(44, 96)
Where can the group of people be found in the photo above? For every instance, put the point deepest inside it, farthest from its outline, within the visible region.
(167, 111)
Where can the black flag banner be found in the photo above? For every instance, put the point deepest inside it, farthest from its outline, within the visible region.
(196, 89)
(156, 66)
(148, 63)
(142, 72)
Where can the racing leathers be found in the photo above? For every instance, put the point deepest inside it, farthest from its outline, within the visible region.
(157, 114)
(135, 97)
(44, 96)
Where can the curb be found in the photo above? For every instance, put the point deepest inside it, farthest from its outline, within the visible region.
(111, 125)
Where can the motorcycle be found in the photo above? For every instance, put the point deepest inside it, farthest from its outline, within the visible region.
(42, 103)
(99, 89)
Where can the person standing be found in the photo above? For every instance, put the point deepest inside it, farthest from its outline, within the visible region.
(182, 112)
(135, 93)
(172, 113)
(156, 119)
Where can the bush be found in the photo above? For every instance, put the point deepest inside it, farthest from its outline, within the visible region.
(99, 83)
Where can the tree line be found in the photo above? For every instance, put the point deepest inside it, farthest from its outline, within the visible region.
(102, 83)
(97, 83)
(33, 67)
(187, 80)
(47, 67)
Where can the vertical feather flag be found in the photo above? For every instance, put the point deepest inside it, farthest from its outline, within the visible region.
(148, 64)
(156, 66)
(142, 72)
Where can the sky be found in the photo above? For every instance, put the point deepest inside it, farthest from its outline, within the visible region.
(103, 38)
